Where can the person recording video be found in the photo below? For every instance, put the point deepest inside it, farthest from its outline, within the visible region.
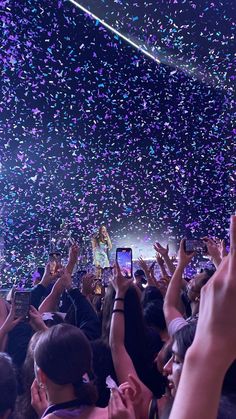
(101, 244)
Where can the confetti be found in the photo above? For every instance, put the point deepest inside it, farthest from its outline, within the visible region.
(93, 131)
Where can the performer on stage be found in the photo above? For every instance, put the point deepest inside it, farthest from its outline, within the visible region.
(101, 244)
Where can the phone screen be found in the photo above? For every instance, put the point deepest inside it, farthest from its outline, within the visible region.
(55, 261)
(22, 303)
(124, 260)
(98, 289)
(106, 276)
(195, 246)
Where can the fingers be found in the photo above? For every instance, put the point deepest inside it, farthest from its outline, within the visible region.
(116, 405)
(35, 399)
(127, 400)
(33, 310)
(233, 245)
(16, 321)
(182, 244)
(117, 268)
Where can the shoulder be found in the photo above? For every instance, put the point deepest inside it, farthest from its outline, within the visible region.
(95, 413)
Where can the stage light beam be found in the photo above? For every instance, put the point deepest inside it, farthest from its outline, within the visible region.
(139, 48)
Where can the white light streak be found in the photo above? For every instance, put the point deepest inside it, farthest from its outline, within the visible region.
(148, 54)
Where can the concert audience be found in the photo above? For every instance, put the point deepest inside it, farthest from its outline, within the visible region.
(158, 323)
(8, 386)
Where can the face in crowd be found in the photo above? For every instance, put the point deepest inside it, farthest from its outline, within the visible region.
(195, 284)
(173, 369)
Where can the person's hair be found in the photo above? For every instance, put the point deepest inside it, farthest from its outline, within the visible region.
(24, 408)
(8, 384)
(99, 236)
(184, 338)
(229, 383)
(138, 338)
(139, 272)
(209, 272)
(154, 314)
(64, 354)
(227, 406)
(151, 293)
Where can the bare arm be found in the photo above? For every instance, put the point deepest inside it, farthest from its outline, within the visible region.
(162, 267)
(199, 388)
(164, 252)
(148, 272)
(9, 324)
(51, 302)
(213, 251)
(172, 298)
(73, 258)
(109, 243)
(94, 244)
(122, 362)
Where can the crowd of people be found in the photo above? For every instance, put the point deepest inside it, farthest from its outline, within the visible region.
(154, 346)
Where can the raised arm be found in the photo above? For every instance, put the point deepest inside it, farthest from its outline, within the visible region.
(51, 302)
(7, 325)
(172, 298)
(148, 272)
(73, 258)
(162, 267)
(121, 359)
(109, 243)
(164, 252)
(39, 291)
(199, 389)
(213, 251)
(122, 362)
(94, 244)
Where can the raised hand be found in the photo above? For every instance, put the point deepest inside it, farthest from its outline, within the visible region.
(160, 259)
(222, 248)
(163, 251)
(120, 283)
(120, 405)
(36, 321)
(144, 266)
(184, 258)
(10, 321)
(48, 277)
(88, 284)
(74, 252)
(216, 330)
(216, 321)
(38, 398)
(212, 250)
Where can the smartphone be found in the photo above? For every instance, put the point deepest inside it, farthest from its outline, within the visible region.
(98, 289)
(198, 246)
(106, 276)
(124, 260)
(22, 303)
(55, 261)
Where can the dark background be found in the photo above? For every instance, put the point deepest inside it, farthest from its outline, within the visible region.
(94, 132)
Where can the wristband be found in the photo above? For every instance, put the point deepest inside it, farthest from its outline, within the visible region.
(119, 299)
(117, 310)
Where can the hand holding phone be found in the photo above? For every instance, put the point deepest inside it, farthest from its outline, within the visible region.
(22, 303)
(124, 260)
(198, 246)
(54, 261)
